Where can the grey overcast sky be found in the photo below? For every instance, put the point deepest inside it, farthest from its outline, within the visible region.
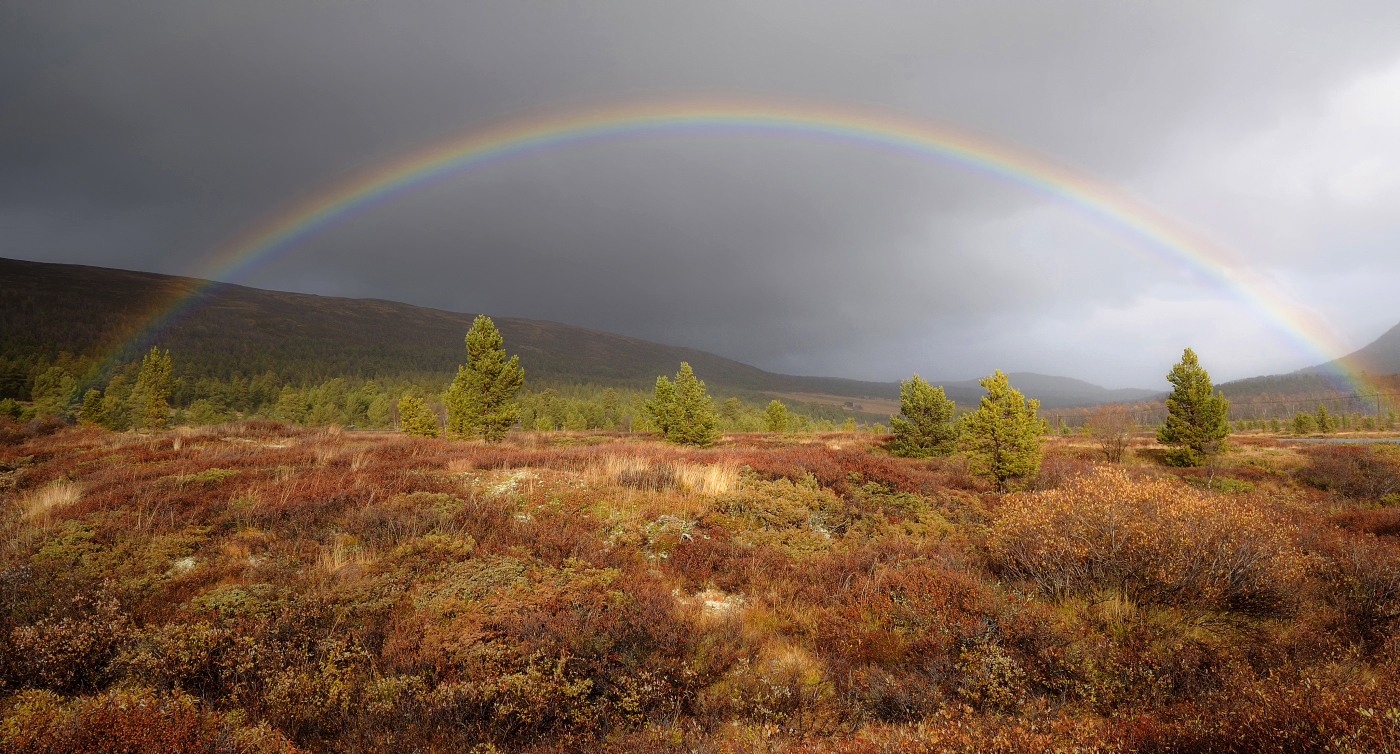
(141, 134)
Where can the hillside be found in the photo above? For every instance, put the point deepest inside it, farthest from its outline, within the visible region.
(89, 312)
(1380, 360)
(1380, 356)
(1052, 391)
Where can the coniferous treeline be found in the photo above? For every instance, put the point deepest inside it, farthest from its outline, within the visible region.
(372, 403)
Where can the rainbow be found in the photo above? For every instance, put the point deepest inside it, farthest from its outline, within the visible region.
(1155, 230)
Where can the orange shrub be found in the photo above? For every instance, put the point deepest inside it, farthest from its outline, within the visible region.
(1382, 522)
(1155, 540)
(524, 650)
(1309, 712)
(131, 720)
(1362, 583)
(956, 730)
(1363, 472)
(70, 653)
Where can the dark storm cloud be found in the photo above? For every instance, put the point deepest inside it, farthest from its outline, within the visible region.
(141, 134)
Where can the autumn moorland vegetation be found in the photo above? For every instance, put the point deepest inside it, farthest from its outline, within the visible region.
(258, 586)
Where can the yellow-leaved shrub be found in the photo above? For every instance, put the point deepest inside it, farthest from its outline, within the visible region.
(1155, 540)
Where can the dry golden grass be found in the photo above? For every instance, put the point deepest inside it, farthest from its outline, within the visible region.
(653, 475)
(55, 495)
(342, 551)
(707, 479)
(461, 466)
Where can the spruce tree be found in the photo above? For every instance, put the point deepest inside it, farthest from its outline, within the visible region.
(1304, 424)
(924, 426)
(291, 406)
(1196, 418)
(151, 394)
(699, 423)
(93, 411)
(552, 408)
(575, 421)
(611, 415)
(1325, 423)
(416, 419)
(729, 410)
(662, 408)
(683, 411)
(480, 401)
(1002, 437)
(116, 402)
(775, 417)
(53, 392)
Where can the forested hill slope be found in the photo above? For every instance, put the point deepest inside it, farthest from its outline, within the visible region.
(49, 309)
(88, 311)
(1052, 391)
(1381, 356)
(1380, 361)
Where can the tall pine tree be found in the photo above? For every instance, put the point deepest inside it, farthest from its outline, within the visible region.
(924, 426)
(1196, 420)
(480, 401)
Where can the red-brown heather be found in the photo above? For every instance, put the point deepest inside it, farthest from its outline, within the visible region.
(256, 587)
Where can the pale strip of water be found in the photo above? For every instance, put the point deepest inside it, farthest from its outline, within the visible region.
(1340, 439)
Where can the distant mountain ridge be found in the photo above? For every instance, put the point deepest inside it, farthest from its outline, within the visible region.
(1379, 360)
(1380, 357)
(1060, 391)
(87, 311)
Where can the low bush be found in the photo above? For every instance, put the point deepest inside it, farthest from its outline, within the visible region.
(1310, 712)
(1380, 522)
(129, 720)
(70, 650)
(1361, 581)
(1355, 471)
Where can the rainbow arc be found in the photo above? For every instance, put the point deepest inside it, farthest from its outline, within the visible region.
(1154, 230)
